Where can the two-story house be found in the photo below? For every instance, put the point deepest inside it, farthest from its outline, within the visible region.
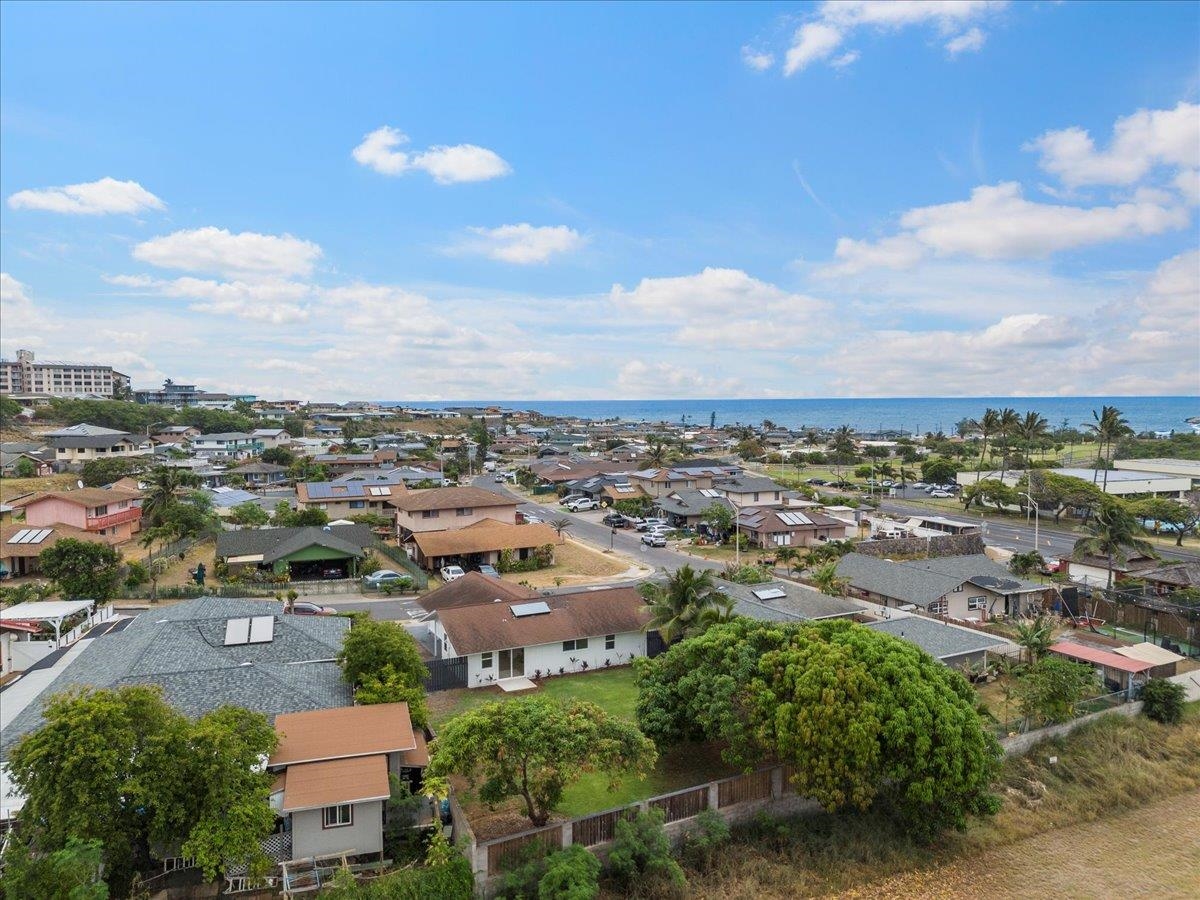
(343, 499)
(773, 528)
(115, 515)
(226, 445)
(444, 509)
(271, 437)
(750, 490)
(81, 443)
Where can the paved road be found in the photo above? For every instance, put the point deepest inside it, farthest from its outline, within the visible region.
(391, 608)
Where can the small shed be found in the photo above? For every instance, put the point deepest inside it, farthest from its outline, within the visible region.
(1115, 669)
(1164, 661)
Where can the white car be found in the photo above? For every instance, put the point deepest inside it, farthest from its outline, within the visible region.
(531, 519)
(451, 573)
(647, 524)
(581, 504)
(940, 494)
(918, 485)
(654, 539)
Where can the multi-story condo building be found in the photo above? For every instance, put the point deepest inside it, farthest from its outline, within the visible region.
(181, 395)
(25, 375)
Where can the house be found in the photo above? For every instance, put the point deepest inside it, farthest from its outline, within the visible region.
(338, 463)
(561, 633)
(771, 529)
(604, 489)
(271, 437)
(950, 644)
(957, 587)
(558, 471)
(751, 490)
(1172, 576)
(342, 499)
(260, 474)
(332, 769)
(661, 482)
(307, 553)
(1165, 662)
(480, 543)
(439, 509)
(685, 508)
(1120, 673)
(1092, 571)
(80, 443)
(175, 434)
(115, 515)
(226, 445)
(200, 653)
(784, 601)
(10, 464)
(402, 475)
(21, 544)
(474, 588)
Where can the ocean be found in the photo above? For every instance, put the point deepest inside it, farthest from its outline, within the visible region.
(915, 415)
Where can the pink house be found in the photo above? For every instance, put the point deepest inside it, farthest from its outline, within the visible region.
(113, 514)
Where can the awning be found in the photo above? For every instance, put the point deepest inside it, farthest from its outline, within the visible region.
(335, 781)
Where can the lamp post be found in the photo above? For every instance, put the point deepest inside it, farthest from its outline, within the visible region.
(1036, 517)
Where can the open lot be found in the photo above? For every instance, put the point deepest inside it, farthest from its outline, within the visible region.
(614, 691)
(11, 488)
(576, 563)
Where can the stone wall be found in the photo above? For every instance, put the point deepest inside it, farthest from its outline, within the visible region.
(942, 545)
(1020, 743)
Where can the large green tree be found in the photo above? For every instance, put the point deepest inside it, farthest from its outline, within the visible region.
(1182, 517)
(249, 513)
(82, 569)
(1048, 691)
(861, 716)
(163, 487)
(124, 768)
(99, 472)
(382, 660)
(534, 748)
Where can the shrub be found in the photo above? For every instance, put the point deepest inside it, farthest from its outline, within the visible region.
(702, 842)
(641, 854)
(135, 574)
(1163, 700)
(571, 874)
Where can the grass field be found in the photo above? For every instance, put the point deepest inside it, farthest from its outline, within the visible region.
(614, 691)
(1114, 815)
(574, 563)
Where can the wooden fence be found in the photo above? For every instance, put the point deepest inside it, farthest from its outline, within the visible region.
(744, 788)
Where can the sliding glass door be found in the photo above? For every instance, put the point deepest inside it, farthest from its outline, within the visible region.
(512, 663)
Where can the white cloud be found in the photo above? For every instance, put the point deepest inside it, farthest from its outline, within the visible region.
(272, 300)
(968, 42)
(220, 251)
(1140, 142)
(276, 364)
(639, 379)
(447, 164)
(836, 21)
(1172, 296)
(812, 42)
(522, 244)
(93, 198)
(997, 222)
(21, 322)
(759, 61)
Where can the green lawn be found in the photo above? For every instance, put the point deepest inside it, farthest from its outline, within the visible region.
(614, 691)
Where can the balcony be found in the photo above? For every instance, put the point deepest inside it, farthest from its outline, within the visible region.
(96, 523)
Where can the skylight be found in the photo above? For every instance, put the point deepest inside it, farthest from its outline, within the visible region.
(770, 594)
(521, 610)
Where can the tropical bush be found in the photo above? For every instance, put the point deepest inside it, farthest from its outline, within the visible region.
(1163, 701)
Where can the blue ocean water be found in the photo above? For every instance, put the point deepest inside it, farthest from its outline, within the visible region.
(911, 414)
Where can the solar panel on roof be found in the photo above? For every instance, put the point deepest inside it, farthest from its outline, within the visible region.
(39, 536)
(20, 537)
(794, 519)
(520, 610)
(770, 594)
(262, 630)
(237, 632)
(709, 492)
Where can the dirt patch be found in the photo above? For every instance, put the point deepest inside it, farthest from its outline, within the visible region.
(177, 574)
(11, 488)
(1149, 852)
(574, 563)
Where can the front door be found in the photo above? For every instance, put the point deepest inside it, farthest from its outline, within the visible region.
(512, 663)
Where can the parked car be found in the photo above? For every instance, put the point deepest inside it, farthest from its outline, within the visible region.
(499, 479)
(489, 571)
(381, 577)
(646, 524)
(531, 519)
(615, 520)
(304, 608)
(940, 494)
(571, 498)
(451, 573)
(333, 572)
(919, 485)
(817, 481)
(655, 539)
(581, 504)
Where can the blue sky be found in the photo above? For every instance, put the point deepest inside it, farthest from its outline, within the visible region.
(587, 201)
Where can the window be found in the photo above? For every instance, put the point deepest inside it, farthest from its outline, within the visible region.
(957, 589)
(756, 496)
(977, 603)
(578, 644)
(939, 607)
(337, 816)
(485, 660)
(429, 514)
(610, 642)
(356, 504)
(464, 511)
(100, 511)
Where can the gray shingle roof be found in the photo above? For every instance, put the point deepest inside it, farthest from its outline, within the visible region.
(181, 648)
(689, 502)
(922, 581)
(800, 603)
(279, 542)
(939, 639)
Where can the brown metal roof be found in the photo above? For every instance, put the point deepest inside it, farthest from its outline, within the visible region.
(492, 626)
(450, 498)
(330, 782)
(472, 589)
(484, 537)
(342, 732)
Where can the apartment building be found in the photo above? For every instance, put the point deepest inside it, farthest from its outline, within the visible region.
(25, 375)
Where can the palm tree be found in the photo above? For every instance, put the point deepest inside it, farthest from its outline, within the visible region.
(163, 483)
(657, 454)
(1109, 426)
(1035, 636)
(1113, 534)
(788, 556)
(1010, 422)
(828, 581)
(841, 443)
(1031, 429)
(987, 425)
(561, 526)
(720, 612)
(675, 608)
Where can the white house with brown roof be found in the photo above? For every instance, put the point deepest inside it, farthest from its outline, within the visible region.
(774, 528)
(446, 508)
(550, 635)
(332, 770)
(480, 543)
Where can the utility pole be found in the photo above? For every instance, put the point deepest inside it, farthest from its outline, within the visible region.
(1036, 517)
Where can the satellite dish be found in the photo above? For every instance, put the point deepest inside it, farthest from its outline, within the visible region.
(79, 484)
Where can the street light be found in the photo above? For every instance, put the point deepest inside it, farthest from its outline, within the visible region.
(1036, 517)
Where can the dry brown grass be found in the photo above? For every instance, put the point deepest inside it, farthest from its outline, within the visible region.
(11, 488)
(177, 572)
(574, 563)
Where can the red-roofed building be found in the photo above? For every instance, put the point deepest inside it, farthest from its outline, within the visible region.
(1115, 669)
